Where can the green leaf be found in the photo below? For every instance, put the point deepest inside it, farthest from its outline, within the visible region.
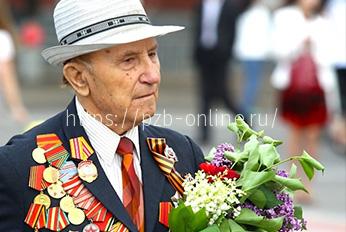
(248, 217)
(210, 155)
(235, 227)
(291, 183)
(224, 227)
(264, 198)
(293, 171)
(252, 147)
(317, 165)
(298, 212)
(183, 219)
(308, 169)
(250, 180)
(271, 200)
(233, 127)
(258, 198)
(199, 221)
(213, 228)
(269, 140)
(268, 154)
(237, 156)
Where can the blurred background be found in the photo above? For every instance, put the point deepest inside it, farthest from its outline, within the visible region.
(251, 83)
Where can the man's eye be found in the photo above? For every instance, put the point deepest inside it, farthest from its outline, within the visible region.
(129, 60)
(152, 54)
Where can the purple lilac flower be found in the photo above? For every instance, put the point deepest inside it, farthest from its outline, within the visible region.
(282, 173)
(285, 210)
(219, 159)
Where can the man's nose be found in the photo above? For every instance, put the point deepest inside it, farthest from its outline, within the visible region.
(151, 71)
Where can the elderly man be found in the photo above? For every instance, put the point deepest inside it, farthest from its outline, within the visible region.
(96, 166)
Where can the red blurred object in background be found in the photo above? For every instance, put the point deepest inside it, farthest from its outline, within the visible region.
(32, 34)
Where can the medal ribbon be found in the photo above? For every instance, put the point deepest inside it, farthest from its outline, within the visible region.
(84, 199)
(157, 147)
(57, 156)
(36, 216)
(36, 180)
(57, 219)
(119, 227)
(97, 212)
(73, 186)
(107, 224)
(80, 149)
(165, 209)
(47, 141)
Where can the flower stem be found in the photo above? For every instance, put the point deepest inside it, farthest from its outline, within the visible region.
(281, 162)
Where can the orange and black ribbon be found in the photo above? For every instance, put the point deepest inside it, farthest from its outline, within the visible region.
(157, 147)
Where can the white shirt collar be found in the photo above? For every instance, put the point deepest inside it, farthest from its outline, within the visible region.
(104, 140)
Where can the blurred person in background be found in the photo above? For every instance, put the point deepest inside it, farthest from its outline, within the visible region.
(8, 78)
(336, 14)
(304, 74)
(213, 43)
(252, 48)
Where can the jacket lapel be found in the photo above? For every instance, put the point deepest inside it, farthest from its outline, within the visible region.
(153, 181)
(101, 187)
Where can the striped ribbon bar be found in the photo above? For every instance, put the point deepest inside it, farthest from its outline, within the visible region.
(107, 224)
(47, 141)
(119, 227)
(36, 216)
(95, 207)
(157, 147)
(73, 186)
(36, 180)
(57, 156)
(165, 209)
(84, 199)
(56, 219)
(80, 149)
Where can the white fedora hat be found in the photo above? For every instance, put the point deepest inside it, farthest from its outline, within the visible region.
(84, 26)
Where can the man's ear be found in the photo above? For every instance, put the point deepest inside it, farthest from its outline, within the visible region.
(77, 75)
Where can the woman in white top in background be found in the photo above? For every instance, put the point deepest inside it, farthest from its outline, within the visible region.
(252, 48)
(298, 28)
(8, 80)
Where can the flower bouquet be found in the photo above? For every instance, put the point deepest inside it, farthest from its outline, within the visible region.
(241, 188)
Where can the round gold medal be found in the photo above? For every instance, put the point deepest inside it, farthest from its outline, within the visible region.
(67, 204)
(42, 199)
(87, 171)
(56, 190)
(51, 175)
(76, 216)
(38, 155)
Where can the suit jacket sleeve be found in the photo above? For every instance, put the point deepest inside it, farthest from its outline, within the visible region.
(11, 205)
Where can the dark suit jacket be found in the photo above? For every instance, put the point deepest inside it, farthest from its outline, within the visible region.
(222, 52)
(16, 160)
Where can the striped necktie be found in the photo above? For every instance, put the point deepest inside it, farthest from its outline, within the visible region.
(132, 187)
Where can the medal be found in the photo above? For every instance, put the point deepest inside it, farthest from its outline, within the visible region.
(67, 171)
(91, 228)
(51, 175)
(38, 155)
(42, 199)
(56, 190)
(67, 204)
(87, 171)
(76, 216)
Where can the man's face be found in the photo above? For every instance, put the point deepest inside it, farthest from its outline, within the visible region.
(124, 83)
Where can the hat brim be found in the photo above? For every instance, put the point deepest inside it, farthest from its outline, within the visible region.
(58, 54)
